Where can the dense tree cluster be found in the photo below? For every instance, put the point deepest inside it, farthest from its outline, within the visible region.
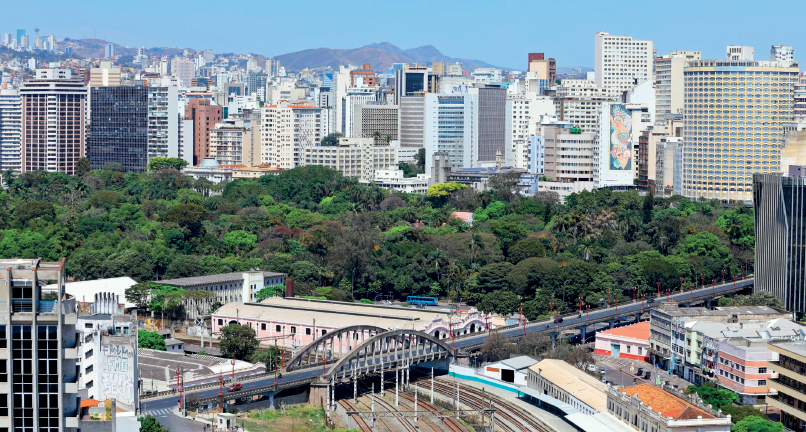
(337, 238)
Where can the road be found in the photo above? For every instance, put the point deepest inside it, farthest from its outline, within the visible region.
(160, 407)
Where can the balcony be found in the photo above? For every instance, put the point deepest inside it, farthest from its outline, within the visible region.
(72, 422)
(71, 354)
(71, 388)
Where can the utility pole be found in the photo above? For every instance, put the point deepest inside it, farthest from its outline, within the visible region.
(383, 375)
(355, 386)
(372, 403)
(432, 385)
(397, 390)
(415, 405)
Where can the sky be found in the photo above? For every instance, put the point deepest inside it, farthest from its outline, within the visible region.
(499, 32)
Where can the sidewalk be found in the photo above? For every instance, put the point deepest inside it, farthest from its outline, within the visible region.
(615, 364)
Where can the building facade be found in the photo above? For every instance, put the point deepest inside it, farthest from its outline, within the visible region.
(789, 384)
(412, 122)
(104, 75)
(235, 142)
(10, 130)
(733, 124)
(490, 123)
(353, 157)
(450, 126)
(119, 129)
(38, 333)
(382, 119)
(204, 116)
(669, 88)
(621, 63)
(286, 129)
(53, 130)
(652, 409)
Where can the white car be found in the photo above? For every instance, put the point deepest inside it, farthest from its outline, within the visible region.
(591, 368)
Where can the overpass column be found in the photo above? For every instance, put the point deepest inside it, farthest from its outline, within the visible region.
(553, 341)
(582, 332)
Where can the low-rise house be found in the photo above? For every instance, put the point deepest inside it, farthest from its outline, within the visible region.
(630, 342)
(513, 370)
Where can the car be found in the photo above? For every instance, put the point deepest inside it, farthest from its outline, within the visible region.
(603, 371)
(235, 387)
(640, 371)
(607, 381)
(558, 320)
(650, 301)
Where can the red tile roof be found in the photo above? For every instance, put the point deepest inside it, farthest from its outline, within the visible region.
(635, 331)
(90, 403)
(667, 404)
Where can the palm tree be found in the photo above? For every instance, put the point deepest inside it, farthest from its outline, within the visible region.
(628, 219)
(388, 139)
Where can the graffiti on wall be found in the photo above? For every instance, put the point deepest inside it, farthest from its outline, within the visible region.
(117, 374)
(620, 138)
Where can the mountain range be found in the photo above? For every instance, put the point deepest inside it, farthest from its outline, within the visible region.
(380, 57)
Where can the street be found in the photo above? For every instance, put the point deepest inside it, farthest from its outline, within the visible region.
(618, 371)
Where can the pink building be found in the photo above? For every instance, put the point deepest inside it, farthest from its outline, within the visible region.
(631, 342)
(292, 321)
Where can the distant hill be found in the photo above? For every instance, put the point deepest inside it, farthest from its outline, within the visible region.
(380, 57)
(94, 48)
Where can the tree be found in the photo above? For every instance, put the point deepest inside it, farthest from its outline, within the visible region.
(269, 291)
(150, 340)
(759, 298)
(159, 163)
(82, 167)
(420, 159)
(30, 210)
(150, 424)
(441, 190)
(717, 397)
(269, 357)
(238, 341)
(139, 294)
(114, 166)
(526, 248)
(237, 241)
(739, 413)
(506, 185)
(494, 277)
(496, 347)
(757, 424)
(332, 139)
(189, 216)
(503, 302)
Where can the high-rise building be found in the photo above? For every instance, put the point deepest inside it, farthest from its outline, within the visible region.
(621, 63)
(40, 392)
(492, 107)
(286, 129)
(209, 56)
(255, 81)
(524, 112)
(165, 121)
(10, 130)
(20, 34)
(669, 82)
(733, 124)
(273, 67)
(800, 99)
(580, 103)
(105, 75)
(411, 125)
(204, 116)
(355, 96)
(53, 121)
(235, 142)
(543, 70)
(739, 52)
(23, 42)
(782, 53)
(668, 167)
(185, 71)
(119, 127)
(787, 365)
(382, 119)
(780, 219)
(410, 81)
(109, 50)
(7, 39)
(450, 128)
(353, 157)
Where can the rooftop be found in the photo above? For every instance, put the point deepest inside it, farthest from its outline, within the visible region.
(212, 279)
(84, 291)
(172, 341)
(635, 331)
(665, 403)
(575, 382)
(798, 347)
(673, 309)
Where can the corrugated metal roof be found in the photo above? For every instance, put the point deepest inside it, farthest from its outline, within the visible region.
(575, 382)
(210, 279)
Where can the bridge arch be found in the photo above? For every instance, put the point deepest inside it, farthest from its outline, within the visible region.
(387, 350)
(346, 337)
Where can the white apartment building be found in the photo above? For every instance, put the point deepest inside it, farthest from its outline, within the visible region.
(669, 82)
(487, 75)
(411, 125)
(286, 130)
(355, 96)
(669, 167)
(353, 157)
(394, 179)
(569, 159)
(739, 52)
(621, 62)
(105, 75)
(10, 130)
(185, 70)
(580, 102)
(524, 113)
(724, 148)
(235, 142)
(165, 125)
(782, 53)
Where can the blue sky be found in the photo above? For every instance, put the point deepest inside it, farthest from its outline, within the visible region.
(499, 32)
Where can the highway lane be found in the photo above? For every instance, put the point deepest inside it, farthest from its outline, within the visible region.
(158, 407)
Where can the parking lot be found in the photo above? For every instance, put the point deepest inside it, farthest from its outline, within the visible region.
(617, 370)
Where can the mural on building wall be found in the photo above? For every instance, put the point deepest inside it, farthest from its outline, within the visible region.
(620, 138)
(118, 372)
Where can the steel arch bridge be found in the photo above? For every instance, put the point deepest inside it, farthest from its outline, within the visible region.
(343, 339)
(389, 350)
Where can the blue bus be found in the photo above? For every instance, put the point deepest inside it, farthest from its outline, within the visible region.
(425, 301)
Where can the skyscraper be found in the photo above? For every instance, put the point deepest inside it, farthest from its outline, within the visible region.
(185, 71)
(285, 130)
(621, 63)
(20, 34)
(10, 127)
(53, 121)
(450, 128)
(733, 124)
(492, 107)
(410, 81)
(40, 392)
(109, 50)
(669, 82)
(119, 127)
(204, 117)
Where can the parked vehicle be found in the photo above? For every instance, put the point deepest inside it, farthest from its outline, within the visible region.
(591, 368)
(424, 301)
(235, 387)
(650, 301)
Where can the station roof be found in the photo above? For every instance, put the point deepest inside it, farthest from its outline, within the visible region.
(332, 313)
(575, 382)
(212, 279)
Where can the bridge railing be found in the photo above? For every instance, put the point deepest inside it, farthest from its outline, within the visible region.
(207, 385)
(698, 296)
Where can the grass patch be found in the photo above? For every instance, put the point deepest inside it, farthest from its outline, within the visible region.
(297, 418)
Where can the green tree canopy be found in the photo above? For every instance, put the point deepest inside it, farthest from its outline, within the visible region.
(150, 340)
(159, 163)
(757, 424)
(238, 341)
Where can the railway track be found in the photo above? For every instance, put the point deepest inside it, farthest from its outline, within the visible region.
(349, 406)
(451, 423)
(406, 423)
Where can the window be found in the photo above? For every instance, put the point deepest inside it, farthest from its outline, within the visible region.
(277, 328)
(762, 382)
(263, 326)
(89, 384)
(4, 371)
(220, 321)
(88, 369)
(324, 332)
(307, 331)
(762, 370)
(628, 349)
(88, 354)
(640, 350)
(87, 325)
(4, 406)
(3, 337)
(293, 330)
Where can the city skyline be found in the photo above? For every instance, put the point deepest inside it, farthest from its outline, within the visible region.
(569, 40)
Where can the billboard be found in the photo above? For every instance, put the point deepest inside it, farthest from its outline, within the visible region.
(621, 157)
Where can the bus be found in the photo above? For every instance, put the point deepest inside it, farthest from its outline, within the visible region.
(425, 301)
